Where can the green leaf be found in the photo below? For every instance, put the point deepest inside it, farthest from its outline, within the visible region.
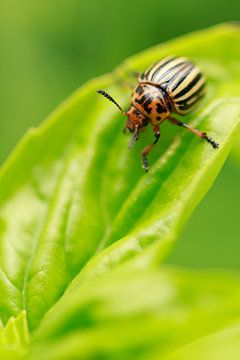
(236, 150)
(218, 346)
(129, 314)
(14, 338)
(72, 188)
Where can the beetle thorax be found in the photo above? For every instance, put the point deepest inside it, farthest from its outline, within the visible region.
(152, 102)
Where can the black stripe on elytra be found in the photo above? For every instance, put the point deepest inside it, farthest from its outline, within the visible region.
(189, 86)
(182, 73)
(183, 77)
(161, 67)
(169, 71)
(164, 97)
(181, 102)
(188, 106)
(139, 89)
(146, 73)
(168, 82)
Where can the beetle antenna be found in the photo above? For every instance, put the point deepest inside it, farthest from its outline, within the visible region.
(110, 98)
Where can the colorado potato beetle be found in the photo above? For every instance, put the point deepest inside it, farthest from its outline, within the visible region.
(171, 85)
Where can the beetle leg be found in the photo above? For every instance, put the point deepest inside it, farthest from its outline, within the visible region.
(197, 132)
(148, 148)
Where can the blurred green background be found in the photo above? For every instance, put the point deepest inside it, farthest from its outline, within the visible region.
(49, 48)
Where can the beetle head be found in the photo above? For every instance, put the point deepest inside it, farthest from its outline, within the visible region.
(136, 120)
(135, 123)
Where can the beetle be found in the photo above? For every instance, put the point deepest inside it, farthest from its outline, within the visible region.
(171, 85)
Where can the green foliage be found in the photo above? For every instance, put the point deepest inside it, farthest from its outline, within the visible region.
(75, 203)
(14, 337)
(126, 314)
(218, 346)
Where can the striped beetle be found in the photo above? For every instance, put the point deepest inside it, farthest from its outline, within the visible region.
(172, 85)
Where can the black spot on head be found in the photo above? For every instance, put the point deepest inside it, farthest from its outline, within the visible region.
(158, 118)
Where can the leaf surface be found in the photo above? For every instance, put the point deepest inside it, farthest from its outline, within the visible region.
(72, 188)
(134, 314)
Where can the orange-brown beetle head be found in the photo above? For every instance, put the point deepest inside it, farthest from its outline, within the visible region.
(136, 120)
